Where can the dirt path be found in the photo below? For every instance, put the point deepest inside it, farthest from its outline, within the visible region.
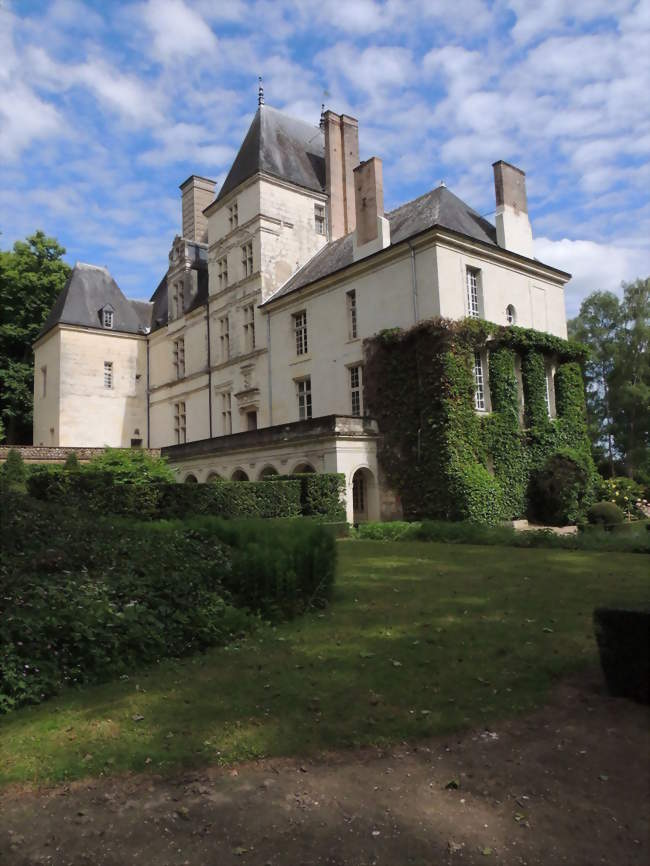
(568, 784)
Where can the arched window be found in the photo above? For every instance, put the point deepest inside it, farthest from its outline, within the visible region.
(190, 479)
(213, 477)
(303, 469)
(511, 315)
(268, 471)
(239, 475)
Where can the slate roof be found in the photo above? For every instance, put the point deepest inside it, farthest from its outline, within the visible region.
(440, 207)
(282, 146)
(87, 291)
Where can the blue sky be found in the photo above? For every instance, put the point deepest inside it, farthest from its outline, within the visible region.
(105, 107)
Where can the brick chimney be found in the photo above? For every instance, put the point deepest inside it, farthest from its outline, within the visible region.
(197, 193)
(514, 231)
(341, 158)
(372, 232)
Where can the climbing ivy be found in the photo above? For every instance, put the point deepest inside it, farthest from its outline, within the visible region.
(442, 457)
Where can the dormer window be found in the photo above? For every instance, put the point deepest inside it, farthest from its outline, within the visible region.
(107, 317)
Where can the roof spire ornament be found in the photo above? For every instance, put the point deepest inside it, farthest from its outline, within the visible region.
(260, 91)
(322, 115)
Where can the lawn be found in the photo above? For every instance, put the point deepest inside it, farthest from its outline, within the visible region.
(421, 639)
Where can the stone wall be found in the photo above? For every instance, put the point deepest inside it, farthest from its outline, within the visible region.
(44, 454)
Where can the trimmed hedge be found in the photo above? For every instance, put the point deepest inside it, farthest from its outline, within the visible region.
(605, 514)
(99, 493)
(86, 599)
(320, 495)
(623, 638)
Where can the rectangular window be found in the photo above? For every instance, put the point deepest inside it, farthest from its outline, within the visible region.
(304, 398)
(249, 327)
(356, 389)
(108, 374)
(44, 379)
(300, 329)
(479, 383)
(108, 318)
(233, 216)
(180, 423)
(550, 385)
(251, 420)
(179, 357)
(247, 259)
(226, 413)
(222, 272)
(351, 299)
(473, 292)
(224, 324)
(319, 219)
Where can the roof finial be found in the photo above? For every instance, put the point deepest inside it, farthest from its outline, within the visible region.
(260, 91)
(322, 115)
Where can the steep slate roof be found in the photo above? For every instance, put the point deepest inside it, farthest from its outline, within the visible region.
(89, 289)
(440, 207)
(282, 146)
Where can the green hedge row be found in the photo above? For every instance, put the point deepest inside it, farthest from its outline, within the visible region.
(320, 495)
(99, 493)
(85, 599)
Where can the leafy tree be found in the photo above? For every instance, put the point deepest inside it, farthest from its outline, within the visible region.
(13, 472)
(72, 463)
(617, 375)
(31, 277)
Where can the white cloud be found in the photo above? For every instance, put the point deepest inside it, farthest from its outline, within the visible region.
(594, 266)
(177, 30)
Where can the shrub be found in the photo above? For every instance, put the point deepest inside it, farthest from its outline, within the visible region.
(72, 462)
(231, 499)
(605, 513)
(623, 492)
(133, 466)
(623, 638)
(13, 471)
(558, 491)
(320, 494)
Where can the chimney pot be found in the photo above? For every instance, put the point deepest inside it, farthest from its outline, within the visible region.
(514, 231)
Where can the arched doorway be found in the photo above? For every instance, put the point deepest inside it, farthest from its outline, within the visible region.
(190, 479)
(304, 469)
(365, 504)
(213, 477)
(268, 472)
(239, 475)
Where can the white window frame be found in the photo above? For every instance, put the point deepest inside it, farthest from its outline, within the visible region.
(351, 302)
(222, 271)
(473, 287)
(180, 422)
(320, 219)
(226, 412)
(480, 399)
(224, 324)
(233, 216)
(249, 327)
(303, 394)
(355, 381)
(179, 357)
(300, 332)
(247, 259)
(108, 375)
(107, 319)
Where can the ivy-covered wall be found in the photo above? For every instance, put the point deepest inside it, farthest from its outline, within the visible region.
(445, 459)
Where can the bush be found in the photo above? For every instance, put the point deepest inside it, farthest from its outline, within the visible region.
(231, 499)
(623, 638)
(13, 471)
(605, 514)
(558, 491)
(320, 494)
(132, 465)
(72, 462)
(623, 492)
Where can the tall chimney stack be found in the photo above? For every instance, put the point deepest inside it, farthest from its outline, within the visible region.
(341, 158)
(196, 194)
(372, 232)
(514, 231)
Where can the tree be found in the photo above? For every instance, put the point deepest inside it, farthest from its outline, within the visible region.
(596, 325)
(617, 374)
(31, 277)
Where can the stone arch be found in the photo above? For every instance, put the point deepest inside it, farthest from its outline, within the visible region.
(364, 495)
(213, 476)
(267, 472)
(190, 478)
(239, 475)
(511, 315)
(304, 467)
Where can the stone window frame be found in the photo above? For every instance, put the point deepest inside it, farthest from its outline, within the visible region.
(351, 302)
(474, 291)
(222, 271)
(224, 338)
(249, 326)
(300, 332)
(233, 216)
(247, 259)
(355, 382)
(179, 357)
(304, 398)
(180, 422)
(226, 412)
(320, 219)
(109, 375)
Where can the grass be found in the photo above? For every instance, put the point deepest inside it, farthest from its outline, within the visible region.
(422, 639)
